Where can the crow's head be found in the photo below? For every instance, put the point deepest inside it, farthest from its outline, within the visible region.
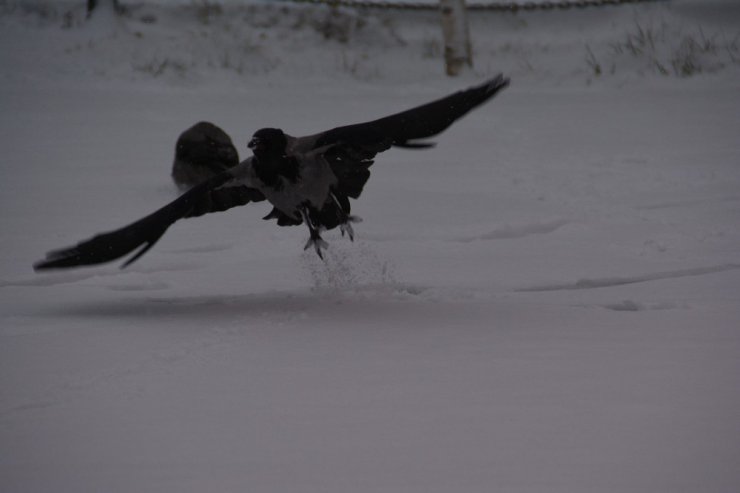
(268, 142)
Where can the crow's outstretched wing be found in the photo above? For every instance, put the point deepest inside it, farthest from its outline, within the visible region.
(213, 195)
(350, 149)
(404, 129)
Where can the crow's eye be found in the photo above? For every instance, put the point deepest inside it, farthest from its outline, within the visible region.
(212, 143)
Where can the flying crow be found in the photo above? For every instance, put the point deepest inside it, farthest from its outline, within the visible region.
(202, 151)
(308, 180)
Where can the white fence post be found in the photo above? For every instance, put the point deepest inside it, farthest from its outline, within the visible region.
(456, 36)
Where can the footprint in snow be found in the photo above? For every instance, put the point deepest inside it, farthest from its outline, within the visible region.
(510, 232)
(634, 306)
(607, 282)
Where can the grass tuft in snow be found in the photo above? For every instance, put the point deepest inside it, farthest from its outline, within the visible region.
(157, 67)
(670, 50)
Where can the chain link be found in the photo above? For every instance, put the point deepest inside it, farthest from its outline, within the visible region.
(494, 7)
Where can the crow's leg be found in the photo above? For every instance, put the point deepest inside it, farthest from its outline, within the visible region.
(345, 220)
(314, 239)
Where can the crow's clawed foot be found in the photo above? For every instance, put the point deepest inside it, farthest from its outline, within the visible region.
(317, 242)
(346, 226)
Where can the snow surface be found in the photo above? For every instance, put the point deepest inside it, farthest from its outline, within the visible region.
(546, 302)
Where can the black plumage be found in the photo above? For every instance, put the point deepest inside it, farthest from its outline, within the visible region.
(308, 180)
(201, 152)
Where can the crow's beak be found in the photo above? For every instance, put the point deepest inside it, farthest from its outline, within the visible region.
(255, 142)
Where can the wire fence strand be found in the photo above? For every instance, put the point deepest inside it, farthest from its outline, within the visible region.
(492, 7)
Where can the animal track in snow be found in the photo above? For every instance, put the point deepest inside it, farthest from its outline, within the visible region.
(634, 306)
(509, 232)
(607, 282)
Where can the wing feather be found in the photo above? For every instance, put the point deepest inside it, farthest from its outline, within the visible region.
(212, 195)
(350, 149)
(402, 129)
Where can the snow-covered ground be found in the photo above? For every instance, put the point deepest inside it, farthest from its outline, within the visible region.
(549, 301)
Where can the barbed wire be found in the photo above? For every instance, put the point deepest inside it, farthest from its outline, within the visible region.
(493, 7)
